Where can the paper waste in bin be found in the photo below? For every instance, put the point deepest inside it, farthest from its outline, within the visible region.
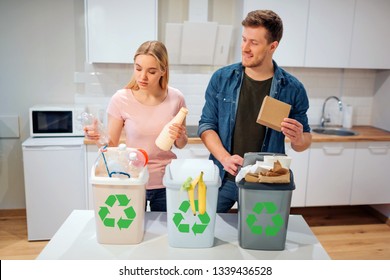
(263, 212)
(186, 230)
(119, 205)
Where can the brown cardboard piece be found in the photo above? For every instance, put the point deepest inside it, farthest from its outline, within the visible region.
(272, 113)
(276, 175)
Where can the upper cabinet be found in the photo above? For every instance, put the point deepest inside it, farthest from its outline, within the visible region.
(329, 33)
(371, 35)
(317, 33)
(115, 29)
(294, 14)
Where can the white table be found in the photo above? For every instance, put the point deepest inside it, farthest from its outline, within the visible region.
(76, 240)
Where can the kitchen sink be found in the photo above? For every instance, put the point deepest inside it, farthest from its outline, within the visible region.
(334, 131)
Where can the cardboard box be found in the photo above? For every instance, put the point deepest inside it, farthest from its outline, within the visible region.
(272, 113)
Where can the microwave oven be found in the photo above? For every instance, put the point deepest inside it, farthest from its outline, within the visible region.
(56, 120)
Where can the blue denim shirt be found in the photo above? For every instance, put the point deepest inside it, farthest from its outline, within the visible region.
(222, 94)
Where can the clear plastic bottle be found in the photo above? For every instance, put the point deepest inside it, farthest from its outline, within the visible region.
(88, 120)
(123, 157)
(136, 163)
(117, 162)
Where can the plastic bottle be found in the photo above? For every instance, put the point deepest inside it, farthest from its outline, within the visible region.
(88, 119)
(117, 161)
(123, 157)
(136, 163)
(164, 141)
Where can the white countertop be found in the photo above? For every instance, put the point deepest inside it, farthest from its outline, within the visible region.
(76, 239)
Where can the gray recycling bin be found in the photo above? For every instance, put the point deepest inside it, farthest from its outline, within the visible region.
(263, 211)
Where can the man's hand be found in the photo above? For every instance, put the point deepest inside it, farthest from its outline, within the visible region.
(232, 164)
(293, 130)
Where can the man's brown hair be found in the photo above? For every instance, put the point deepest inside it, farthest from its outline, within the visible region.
(267, 19)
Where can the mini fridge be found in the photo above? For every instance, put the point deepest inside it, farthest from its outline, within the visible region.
(55, 183)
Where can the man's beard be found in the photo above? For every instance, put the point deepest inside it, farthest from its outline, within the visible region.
(253, 63)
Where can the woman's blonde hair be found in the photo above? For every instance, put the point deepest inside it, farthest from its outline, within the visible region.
(159, 52)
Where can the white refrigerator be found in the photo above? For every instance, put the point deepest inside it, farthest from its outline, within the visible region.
(55, 183)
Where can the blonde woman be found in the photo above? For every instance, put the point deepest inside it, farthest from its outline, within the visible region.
(142, 109)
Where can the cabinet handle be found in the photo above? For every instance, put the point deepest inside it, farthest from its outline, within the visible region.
(333, 150)
(382, 150)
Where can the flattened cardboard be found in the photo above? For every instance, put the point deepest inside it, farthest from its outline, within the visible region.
(272, 113)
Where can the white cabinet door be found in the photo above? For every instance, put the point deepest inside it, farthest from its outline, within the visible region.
(291, 50)
(92, 154)
(299, 167)
(371, 178)
(192, 151)
(329, 179)
(329, 33)
(115, 29)
(371, 35)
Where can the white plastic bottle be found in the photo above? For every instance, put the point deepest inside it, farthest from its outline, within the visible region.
(164, 141)
(136, 164)
(123, 156)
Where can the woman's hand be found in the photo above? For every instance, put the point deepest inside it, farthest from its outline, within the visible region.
(95, 132)
(92, 131)
(178, 132)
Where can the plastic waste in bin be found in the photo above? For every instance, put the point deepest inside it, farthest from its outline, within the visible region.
(186, 230)
(119, 204)
(264, 209)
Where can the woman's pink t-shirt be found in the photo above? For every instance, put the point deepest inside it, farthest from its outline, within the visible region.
(143, 123)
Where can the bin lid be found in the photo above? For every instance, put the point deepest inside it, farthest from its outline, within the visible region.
(268, 186)
(177, 172)
(251, 157)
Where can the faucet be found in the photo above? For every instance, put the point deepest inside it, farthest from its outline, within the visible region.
(327, 119)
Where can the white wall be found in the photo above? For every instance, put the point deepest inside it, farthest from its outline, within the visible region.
(353, 86)
(40, 43)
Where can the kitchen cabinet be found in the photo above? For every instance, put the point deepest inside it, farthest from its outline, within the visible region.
(115, 30)
(333, 33)
(294, 14)
(371, 176)
(299, 166)
(329, 33)
(329, 180)
(371, 36)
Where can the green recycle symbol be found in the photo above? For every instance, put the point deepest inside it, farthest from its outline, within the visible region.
(197, 228)
(129, 212)
(270, 230)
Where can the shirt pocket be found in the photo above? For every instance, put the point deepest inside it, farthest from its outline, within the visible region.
(225, 105)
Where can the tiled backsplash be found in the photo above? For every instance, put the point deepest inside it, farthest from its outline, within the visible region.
(353, 86)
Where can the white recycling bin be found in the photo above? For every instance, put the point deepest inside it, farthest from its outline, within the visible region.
(186, 230)
(119, 205)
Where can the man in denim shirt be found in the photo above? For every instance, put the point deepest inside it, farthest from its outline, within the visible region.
(234, 96)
